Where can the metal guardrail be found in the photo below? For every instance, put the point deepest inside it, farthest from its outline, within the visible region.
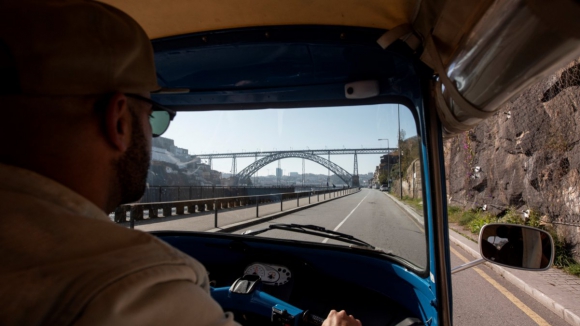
(155, 194)
(189, 207)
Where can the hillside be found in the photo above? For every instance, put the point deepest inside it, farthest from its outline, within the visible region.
(526, 156)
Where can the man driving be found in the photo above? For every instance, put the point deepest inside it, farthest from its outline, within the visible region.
(75, 79)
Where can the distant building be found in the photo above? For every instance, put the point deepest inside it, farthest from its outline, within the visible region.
(172, 165)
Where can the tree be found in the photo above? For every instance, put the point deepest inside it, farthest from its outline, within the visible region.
(384, 178)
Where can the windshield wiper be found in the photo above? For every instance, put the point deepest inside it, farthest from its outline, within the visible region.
(314, 230)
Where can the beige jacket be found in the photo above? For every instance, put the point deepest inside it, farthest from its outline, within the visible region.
(63, 262)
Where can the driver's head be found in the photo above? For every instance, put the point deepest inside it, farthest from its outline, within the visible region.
(71, 74)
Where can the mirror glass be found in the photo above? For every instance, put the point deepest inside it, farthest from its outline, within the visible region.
(516, 246)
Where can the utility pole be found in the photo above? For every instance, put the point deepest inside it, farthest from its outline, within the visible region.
(400, 143)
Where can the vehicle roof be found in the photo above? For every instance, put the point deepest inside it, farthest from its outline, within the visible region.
(162, 18)
(437, 31)
(448, 20)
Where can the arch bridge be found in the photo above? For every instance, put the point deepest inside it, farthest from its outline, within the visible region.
(314, 155)
(244, 175)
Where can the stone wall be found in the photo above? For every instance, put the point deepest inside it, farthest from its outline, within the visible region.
(526, 156)
(412, 183)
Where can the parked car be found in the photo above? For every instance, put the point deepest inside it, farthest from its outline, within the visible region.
(384, 187)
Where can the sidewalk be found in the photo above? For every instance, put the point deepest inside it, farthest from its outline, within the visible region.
(553, 288)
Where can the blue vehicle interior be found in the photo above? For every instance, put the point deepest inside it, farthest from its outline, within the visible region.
(292, 67)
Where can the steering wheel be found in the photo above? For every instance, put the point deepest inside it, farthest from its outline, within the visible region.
(245, 295)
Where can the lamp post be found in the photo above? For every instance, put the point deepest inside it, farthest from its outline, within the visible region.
(388, 162)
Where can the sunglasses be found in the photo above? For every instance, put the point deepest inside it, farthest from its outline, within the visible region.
(159, 118)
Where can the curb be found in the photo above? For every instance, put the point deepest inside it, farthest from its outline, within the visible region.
(409, 210)
(570, 317)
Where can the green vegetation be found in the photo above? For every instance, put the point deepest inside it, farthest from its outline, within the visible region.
(384, 178)
(454, 213)
(475, 219)
(476, 225)
(573, 269)
(409, 153)
(416, 203)
(563, 256)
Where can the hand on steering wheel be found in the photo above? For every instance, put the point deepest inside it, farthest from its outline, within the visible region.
(340, 319)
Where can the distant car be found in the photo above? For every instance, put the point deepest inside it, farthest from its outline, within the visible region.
(384, 188)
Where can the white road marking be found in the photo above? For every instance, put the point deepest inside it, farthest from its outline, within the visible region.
(346, 218)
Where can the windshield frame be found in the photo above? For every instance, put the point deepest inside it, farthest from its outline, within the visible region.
(405, 89)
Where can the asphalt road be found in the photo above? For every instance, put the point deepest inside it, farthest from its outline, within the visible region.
(390, 228)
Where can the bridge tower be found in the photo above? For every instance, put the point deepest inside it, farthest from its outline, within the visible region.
(303, 173)
(355, 180)
(256, 176)
(328, 178)
(234, 167)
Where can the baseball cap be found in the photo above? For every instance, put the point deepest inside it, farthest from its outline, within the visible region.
(72, 47)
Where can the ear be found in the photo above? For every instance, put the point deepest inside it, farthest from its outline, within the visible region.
(118, 122)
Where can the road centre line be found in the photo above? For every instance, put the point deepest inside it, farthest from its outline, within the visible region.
(340, 224)
(510, 296)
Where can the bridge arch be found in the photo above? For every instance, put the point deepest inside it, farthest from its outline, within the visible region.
(248, 171)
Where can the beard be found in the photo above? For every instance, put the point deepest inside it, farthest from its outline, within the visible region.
(133, 167)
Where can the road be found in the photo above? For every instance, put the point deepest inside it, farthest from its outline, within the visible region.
(391, 229)
(480, 297)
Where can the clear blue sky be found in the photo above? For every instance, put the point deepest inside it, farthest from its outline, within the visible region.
(291, 129)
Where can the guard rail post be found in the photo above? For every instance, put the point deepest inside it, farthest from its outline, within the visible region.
(281, 198)
(131, 221)
(215, 220)
(297, 199)
(257, 204)
(309, 194)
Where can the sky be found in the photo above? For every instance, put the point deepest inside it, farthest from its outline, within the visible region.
(292, 129)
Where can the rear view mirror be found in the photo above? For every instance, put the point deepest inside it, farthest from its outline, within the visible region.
(516, 246)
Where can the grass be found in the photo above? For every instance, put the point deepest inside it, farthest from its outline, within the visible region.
(573, 269)
(416, 203)
(454, 213)
(475, 219)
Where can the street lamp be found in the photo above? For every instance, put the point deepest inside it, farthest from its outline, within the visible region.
(388, 162)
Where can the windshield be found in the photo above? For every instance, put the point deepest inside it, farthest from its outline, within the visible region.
(255, 168)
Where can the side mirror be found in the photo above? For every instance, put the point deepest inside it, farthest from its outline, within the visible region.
(516, 246)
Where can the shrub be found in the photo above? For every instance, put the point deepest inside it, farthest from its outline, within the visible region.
(467, 217)
(476, 224)
(512, 216)
(562, 252)
(534, 219)
(573, 269)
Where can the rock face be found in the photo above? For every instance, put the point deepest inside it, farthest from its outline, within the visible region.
(526, 156)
